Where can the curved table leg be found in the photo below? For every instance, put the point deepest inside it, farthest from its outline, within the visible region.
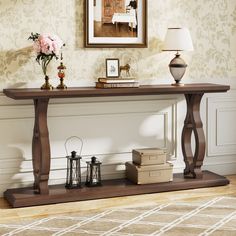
(41, 147)
(193, 124)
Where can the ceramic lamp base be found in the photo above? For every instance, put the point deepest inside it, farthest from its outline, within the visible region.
(177, 68)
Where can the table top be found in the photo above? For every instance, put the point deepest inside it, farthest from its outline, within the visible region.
(125, 17)
(36, 93)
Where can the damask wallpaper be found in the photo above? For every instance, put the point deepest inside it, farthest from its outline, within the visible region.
(212, 24)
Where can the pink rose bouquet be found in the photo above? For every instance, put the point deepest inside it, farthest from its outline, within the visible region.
(46, 47)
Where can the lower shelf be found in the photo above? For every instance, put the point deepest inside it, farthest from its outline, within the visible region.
(22, 197)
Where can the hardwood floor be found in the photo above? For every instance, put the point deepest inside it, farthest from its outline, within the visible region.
(8, 214)
(110, 30)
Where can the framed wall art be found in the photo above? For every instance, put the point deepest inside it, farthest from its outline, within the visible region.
(116, 23)
(112, 68)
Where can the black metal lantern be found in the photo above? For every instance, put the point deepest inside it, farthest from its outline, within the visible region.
(93, 177)
(73, 176)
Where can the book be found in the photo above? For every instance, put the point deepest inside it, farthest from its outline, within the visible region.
(117, 85)
(117, 80)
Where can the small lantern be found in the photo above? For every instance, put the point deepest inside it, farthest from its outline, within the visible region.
(61, 74)
(73, 176)
(93, 177)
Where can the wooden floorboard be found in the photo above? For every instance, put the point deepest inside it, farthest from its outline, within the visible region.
(110, 30)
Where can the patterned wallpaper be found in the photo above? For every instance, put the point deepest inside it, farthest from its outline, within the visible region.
(212, 24)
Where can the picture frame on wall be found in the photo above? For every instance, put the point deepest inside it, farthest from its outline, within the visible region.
(112, 68)
(116, 23)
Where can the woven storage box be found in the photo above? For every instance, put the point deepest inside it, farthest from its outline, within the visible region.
(149, 174)
(149, 156)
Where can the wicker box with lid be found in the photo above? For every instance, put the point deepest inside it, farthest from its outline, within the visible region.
(149, 173)
(149, 156)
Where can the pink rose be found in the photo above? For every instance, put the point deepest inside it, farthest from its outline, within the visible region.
(46, 44)
(56, 47)
(58, 41)
(56, 44)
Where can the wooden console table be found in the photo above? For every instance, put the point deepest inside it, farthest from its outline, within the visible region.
(193, 176)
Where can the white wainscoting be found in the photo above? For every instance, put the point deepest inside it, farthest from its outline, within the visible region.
(221, 128)
(109, 129)
(221, 133)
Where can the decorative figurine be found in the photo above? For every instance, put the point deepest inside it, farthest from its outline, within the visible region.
(126, 68)
(73, 176)
(93, 177)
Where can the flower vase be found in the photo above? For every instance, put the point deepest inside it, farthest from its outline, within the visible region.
(45, 63)
(47, 85)
(46, 47)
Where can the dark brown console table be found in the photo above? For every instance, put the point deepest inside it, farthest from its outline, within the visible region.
(193, 176)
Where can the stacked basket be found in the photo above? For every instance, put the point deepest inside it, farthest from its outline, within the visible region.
(149, 166)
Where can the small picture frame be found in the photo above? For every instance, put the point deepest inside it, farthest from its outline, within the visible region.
(112, 68)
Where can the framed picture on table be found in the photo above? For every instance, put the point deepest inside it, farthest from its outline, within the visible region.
(112, 68)
(116, 23)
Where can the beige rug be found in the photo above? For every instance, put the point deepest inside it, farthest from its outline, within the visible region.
(216, 216)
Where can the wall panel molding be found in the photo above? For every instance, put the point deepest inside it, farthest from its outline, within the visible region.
(221, 128)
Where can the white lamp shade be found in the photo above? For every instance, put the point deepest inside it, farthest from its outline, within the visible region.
(178, 39)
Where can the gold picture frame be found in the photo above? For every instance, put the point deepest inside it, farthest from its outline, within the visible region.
(115, 24)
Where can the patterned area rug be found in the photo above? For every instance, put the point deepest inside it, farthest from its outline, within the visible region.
(201, 217)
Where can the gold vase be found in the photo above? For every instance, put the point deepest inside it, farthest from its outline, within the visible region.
(47, 85)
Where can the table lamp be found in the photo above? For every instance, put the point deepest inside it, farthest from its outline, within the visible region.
(178, 39)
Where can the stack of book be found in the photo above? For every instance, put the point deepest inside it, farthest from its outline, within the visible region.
(117, 83)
